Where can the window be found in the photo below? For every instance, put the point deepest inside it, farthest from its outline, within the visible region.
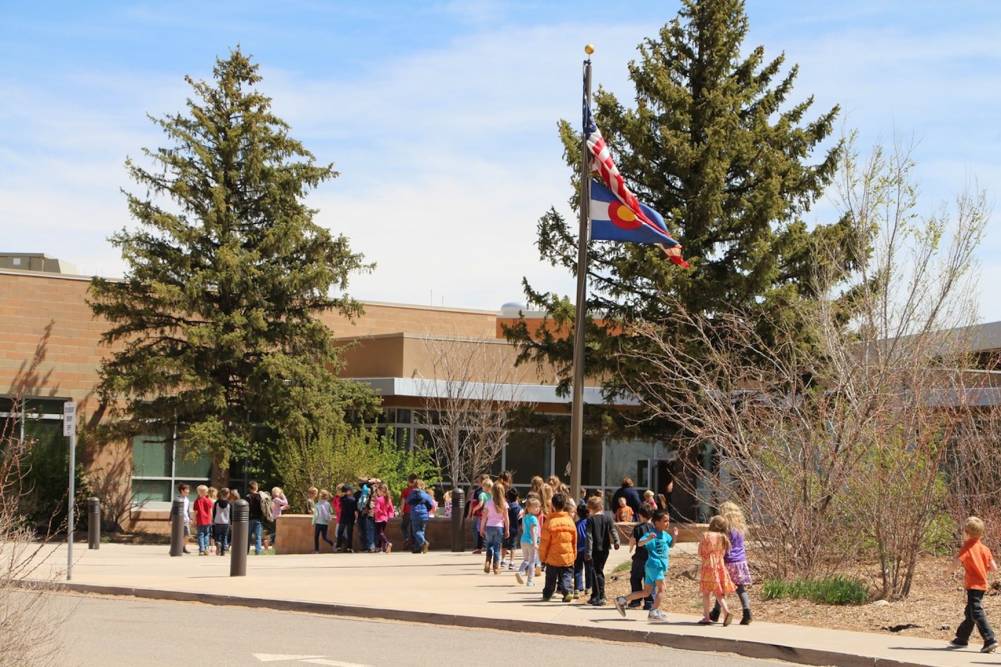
(527, 455)
(158, 466)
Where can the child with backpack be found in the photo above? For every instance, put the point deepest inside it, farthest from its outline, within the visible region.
(422, 506)
(220, 522)
(514, 515)
(494, 527)
(579, 565)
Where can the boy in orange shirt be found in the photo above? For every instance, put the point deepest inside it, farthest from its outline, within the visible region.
(558, 550)
(977, 562)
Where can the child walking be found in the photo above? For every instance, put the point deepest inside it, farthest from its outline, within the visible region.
(382, 512)
(346, 519)
(182, 491)
(494, 527)
(657, 543)
(514, 514)
(602, 537)
(736, 560)
(220, 522)
(529, 541)
(977, 561)
(203, 519)
(581, 578)
(321, 519)
(558, 550)
(714, 580)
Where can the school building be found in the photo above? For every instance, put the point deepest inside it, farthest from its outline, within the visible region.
(51, 353)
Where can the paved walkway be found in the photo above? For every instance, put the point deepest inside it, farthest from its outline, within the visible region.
(451, 588)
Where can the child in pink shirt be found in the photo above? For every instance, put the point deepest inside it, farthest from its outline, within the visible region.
(382, 512)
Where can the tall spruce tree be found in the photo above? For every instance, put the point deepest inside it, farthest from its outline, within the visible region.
(714, 146)
(216, 321)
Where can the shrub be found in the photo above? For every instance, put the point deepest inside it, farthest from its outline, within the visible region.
(829, 590)
(346, 456)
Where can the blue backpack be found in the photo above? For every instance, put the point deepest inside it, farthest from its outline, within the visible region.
(582, 535)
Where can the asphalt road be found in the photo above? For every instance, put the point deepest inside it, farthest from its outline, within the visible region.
(125, 631)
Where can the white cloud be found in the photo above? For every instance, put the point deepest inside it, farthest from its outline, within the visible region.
(450, 155)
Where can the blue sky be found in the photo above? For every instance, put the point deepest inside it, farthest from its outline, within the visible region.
(441, 115)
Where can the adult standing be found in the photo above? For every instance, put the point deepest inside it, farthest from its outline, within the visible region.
(256, 523)
(664, 496)
(630, 493)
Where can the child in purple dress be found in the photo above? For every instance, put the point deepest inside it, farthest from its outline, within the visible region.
(736, 560)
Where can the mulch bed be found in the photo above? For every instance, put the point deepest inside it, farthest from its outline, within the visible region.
(933, 609)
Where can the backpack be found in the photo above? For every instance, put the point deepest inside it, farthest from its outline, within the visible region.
(266, 510)
(365, 499)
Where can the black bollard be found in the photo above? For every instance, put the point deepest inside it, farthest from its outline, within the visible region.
(458, 504)
(93, 523)
(238, 548)
(177, 527)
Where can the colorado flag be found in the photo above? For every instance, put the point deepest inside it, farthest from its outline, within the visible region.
(611, 220)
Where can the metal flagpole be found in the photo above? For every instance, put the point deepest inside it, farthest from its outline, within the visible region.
(583, 237)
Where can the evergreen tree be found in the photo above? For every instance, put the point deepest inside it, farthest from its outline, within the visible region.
(713, 145)
(215, 321)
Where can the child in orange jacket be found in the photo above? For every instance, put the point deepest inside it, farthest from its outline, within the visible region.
(558, 550)
(977, 561)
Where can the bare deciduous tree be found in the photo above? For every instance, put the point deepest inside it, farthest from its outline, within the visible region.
(845, 437)
(26, 621)
(470, 391)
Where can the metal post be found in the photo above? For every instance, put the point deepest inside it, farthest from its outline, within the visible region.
(177, 527)
(583, 237)
(93, 523)
(238, 547)
(69, 429)
(458, 535)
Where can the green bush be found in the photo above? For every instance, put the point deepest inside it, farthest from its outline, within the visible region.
(830, 590)
(347, 456)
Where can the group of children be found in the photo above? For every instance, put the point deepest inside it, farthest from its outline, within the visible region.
(371, 507)
(212, 510)
(572, 543)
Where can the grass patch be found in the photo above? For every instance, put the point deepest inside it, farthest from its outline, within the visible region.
(831, 590)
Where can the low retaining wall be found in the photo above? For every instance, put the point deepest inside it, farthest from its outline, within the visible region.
(295, 534)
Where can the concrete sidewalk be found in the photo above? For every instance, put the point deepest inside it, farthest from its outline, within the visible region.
(447, 588)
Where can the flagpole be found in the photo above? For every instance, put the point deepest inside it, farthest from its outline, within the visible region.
(583, 237)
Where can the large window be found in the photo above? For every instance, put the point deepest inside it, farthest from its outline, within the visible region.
(527, 454)
(159, 464)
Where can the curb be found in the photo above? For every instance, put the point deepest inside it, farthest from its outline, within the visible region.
(741, 647)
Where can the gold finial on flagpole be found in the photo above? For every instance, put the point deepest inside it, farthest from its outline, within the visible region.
(589, 49)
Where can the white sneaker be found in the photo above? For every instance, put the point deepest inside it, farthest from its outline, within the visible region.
(530, 583)
(656, 616)
(620, 605)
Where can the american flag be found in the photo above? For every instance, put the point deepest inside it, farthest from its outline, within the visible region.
(603, 165)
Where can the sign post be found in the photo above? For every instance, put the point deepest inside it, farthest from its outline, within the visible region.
(69, 429)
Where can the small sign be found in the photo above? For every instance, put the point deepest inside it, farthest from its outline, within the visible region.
(69, 418)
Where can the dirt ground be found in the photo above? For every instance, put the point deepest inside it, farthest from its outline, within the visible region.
(934, 608)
